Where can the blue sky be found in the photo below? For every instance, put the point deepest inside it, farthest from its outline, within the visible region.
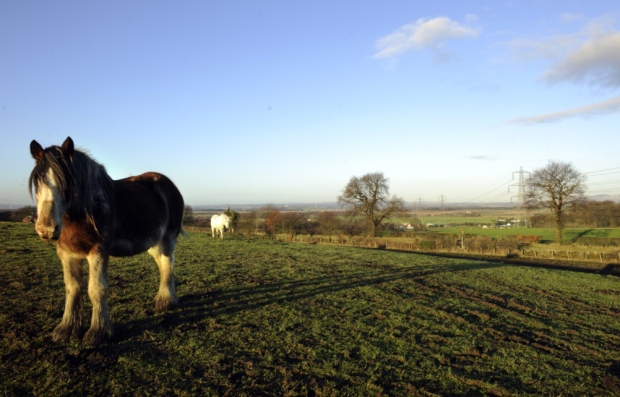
(256, 102)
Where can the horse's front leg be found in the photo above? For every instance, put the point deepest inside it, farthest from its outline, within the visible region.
(100, 325)
(71, 322)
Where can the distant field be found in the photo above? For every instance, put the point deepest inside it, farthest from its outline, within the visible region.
(259, 317)
(569, 234)
(475, 216)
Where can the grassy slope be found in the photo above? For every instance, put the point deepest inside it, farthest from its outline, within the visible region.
(259, 317)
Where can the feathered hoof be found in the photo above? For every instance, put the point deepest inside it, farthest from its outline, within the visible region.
(63, 333)
(97, 336)
(165, 303)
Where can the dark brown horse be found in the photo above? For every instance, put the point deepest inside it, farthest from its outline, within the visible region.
(93, 217)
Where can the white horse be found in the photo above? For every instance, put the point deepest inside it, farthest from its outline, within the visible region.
(219, 223)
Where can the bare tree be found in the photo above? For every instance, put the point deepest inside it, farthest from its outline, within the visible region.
(556, 187)
(272, 222)
(369, 196)
(188, 215)
(328, 222)
(292, 223)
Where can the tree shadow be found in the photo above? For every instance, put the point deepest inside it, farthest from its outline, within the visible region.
(519, 261)
(580, 235)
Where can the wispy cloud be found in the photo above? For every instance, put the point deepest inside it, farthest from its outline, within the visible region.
(591, 55)
(424, 34)
(481, 157)
(606, 107)
(596, 61)
(588, 56)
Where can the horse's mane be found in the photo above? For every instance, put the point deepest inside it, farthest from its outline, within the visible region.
(82, 180)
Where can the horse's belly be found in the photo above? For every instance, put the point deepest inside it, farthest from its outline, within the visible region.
(127, 248)
(132, 245)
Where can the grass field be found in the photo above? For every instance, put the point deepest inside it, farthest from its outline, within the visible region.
(264, 318)
(490, 216)
(569, 234)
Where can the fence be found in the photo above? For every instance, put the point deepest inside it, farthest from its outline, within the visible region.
(438, 246)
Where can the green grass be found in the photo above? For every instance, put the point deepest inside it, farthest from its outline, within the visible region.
(569, 234)
(261, 317)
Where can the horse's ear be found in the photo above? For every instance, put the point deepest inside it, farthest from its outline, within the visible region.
(67, 147)
(36, 150)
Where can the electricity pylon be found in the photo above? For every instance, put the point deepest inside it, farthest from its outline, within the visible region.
(521, 199)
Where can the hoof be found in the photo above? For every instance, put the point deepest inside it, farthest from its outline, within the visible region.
(64, 334)
(163, 304)
(97, 336)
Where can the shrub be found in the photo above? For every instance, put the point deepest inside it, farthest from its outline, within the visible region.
(427, 245)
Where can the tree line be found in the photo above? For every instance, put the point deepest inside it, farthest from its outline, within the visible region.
(558, 188)
(270, 221)
(588, 213)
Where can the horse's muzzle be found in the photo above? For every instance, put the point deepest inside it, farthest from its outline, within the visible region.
(48, 233)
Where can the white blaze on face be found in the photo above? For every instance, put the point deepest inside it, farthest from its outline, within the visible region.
(50, 208)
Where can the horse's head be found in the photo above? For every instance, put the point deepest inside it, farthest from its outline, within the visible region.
(49, 179)
(225, 221)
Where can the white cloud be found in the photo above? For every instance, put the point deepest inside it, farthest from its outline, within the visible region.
(591, 55)
(481, 157)
(596, 61)
(424, 34)
(606, 107)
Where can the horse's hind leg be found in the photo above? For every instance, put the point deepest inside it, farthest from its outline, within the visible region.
(100, 324)
(163, 253)
(71, 322)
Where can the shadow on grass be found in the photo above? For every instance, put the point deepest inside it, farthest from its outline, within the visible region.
(199, 306)
(527, 262)
(580, 235)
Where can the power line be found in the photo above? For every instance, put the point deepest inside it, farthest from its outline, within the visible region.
(598, 178)
(605, 170)
(419, 205)
(521, 203)
(442, 200)
(604, 182)
(503, 185)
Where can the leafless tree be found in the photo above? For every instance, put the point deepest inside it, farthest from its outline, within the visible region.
(556, 187)
(248, 223)
(188, 215)
(292, 223)
(272, 222)
(328, 222)
(369, 196)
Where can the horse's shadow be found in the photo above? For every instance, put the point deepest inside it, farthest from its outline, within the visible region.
(197, 307)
